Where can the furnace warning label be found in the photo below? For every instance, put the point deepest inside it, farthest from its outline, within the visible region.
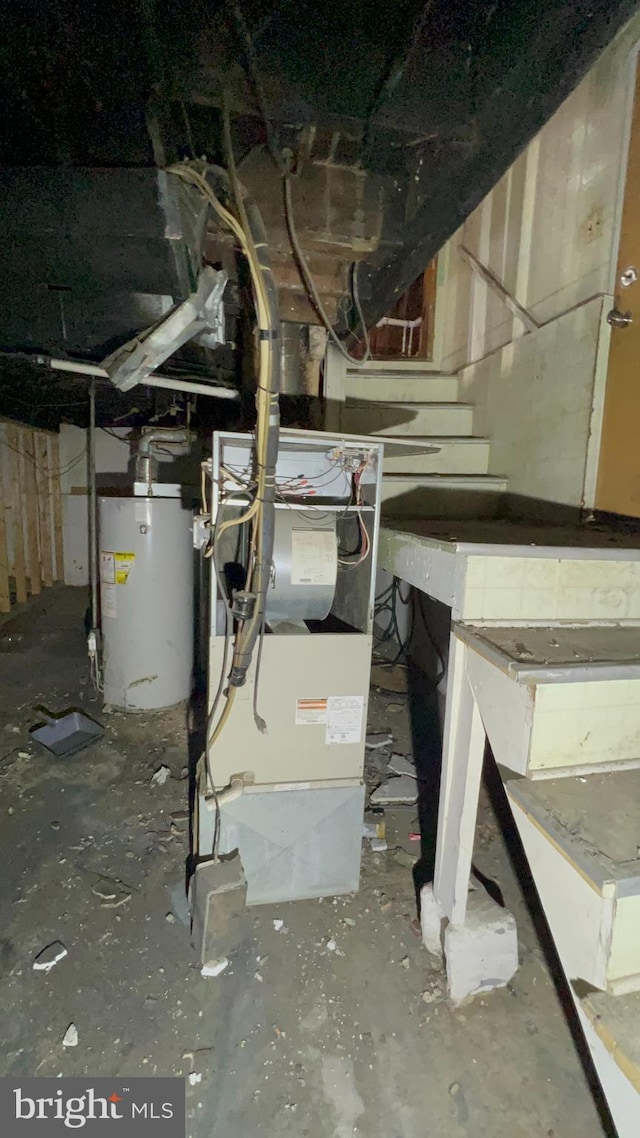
(123, 563)
(345, 714)
(109, 601)
(107, 568)
(310, 712)
(313, 557)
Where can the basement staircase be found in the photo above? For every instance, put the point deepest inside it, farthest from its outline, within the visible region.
(405, 400)
(544, 663)
(560, 705)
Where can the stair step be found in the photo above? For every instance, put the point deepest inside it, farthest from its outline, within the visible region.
(393, 485)
(455, 456)
(557, 700)
(385, 386)
(615, 1022)
(407, 418)
(400, 367)
(581, 840)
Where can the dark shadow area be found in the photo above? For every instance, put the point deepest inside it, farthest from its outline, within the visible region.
(196, 746)
(427, 752)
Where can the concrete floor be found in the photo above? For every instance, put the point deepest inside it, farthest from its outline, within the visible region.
(294, 1039)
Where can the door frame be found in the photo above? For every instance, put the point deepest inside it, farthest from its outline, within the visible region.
(601, 364)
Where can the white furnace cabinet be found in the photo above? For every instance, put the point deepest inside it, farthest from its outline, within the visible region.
(298, 826)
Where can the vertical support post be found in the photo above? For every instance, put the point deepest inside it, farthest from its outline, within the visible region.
(335, 384)
(91, 477)
(462, 758)
(44, 509)
(31, 495)
(31, 510)
(14, 497)
(5, 592)
(53, 455)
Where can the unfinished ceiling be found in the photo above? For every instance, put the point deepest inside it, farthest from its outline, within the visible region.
(399, 117)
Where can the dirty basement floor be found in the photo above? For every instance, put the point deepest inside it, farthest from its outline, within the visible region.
(297, 1037)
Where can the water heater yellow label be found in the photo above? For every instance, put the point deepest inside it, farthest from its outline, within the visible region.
(123, 563)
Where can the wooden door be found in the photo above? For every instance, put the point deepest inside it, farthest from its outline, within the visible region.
(618, 488)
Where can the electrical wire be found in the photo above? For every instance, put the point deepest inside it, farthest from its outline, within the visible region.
(266, 398)
(357, 501)
(386, 603)
(308, 281)
(267, 416)
(430, 637)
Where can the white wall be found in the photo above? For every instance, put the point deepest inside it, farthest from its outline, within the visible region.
(548, 231)
(112, 459)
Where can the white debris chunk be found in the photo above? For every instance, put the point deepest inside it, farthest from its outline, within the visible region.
(402, 764)
(401, 789)
(377, 740)
(279, 925)
(50, 956)
(194, 1078)
(160, 776)
(71, 1036)
(215, 967)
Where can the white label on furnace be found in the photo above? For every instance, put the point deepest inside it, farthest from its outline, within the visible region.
(345, 714)
(313, 557)
(109, 597)
(310, 712)
(107, 568)
(123, 565)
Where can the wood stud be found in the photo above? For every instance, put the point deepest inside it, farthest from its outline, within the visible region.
(31, 549)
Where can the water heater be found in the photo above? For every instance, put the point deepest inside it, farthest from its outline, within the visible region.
(146, 595)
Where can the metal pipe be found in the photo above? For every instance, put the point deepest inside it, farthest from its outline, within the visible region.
(177, 439)
(188, 385)
(93, 505)
(167, 381)
(77, 366)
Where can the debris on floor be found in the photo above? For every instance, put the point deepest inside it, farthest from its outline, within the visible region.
(292, 1038)
(401, 790)
(390, 677)
(112, 893)
(377, 740)
(215, 968)
(160, 776)
(70, 1036)
(402, 764)
(50, 956)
